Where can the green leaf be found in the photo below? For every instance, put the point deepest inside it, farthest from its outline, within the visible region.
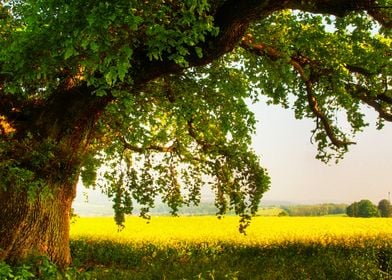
(70, 51)
(100, 92)
(199, 52)
(94, 46)
(122, 70)
(111, 76)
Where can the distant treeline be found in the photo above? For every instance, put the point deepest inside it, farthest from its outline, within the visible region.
(208, 208)
(204, 208)
(315, 210)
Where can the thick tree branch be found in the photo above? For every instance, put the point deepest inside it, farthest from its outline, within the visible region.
(232, 19)
(328, 128)
(317, 110)
(364, 95)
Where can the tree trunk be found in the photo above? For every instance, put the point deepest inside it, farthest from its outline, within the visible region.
(39, 169)
(37, 187)
(36, 228)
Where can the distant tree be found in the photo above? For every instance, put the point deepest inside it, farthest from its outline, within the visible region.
(367, 209)
(352, 210)
(283, 214)
(364, 208)
(385, 208)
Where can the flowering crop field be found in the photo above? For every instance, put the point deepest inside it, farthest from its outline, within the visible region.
(262, 231)
(210, 248)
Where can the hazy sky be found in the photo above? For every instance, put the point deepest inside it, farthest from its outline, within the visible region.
(285, 149)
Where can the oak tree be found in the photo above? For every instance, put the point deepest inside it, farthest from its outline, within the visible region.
(156, 91)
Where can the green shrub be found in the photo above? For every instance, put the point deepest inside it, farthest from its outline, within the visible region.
(37, 268)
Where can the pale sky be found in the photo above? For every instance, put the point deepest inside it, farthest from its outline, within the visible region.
(283, 143)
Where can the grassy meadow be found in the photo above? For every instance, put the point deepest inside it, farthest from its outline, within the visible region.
(210, 248)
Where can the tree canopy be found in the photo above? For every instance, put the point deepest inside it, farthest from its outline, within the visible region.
(364, 208)
(156, 91)
(385, 208)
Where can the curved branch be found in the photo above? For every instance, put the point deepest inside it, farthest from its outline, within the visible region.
(232, 19)
(298, 64)
(313, 104)
(363, 94)
(317, 111)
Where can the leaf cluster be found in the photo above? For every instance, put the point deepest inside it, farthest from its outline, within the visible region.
(180, 133)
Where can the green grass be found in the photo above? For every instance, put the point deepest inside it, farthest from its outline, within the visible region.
(111, 260)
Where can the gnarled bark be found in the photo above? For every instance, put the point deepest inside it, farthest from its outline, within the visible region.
(36, 228)
(50, 143)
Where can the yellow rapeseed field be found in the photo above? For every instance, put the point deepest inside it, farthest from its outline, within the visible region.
(262, 231)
